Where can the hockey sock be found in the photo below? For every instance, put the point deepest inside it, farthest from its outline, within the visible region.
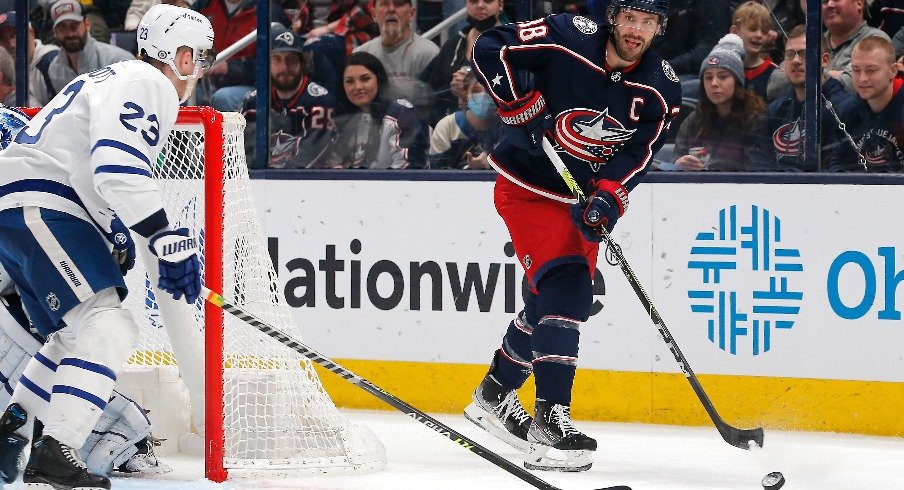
(555, 344)
(563, 301)
(34, 387)
(512, 362)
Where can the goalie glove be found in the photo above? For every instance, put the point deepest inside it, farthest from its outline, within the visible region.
(177, 256)
(601, 210)
(531, 115)
(123, 246)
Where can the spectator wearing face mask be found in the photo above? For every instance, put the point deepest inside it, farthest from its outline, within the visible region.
(464, 138)
(445, 74)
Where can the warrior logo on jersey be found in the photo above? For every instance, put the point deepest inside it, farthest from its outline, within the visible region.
(585, 25)
(880, 149)
(788, 139)
(590, 135)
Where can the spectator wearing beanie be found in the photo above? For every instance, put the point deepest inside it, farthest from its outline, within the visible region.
(721, 129)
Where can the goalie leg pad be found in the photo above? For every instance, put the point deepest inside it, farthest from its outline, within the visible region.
(112, 442)
(84, 381)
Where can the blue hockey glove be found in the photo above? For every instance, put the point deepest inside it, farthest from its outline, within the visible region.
(179, 268)
(601, 210)
(530, 114)
(123, 246)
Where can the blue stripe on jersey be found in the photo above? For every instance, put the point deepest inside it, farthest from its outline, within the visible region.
(89, 366)
(45, 361)
(131, 150)
(84, 395)
(121, 169)
(41, 185)
(34, 388)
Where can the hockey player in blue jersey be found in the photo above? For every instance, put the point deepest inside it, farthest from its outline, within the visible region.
(606, 103)
(82, 158)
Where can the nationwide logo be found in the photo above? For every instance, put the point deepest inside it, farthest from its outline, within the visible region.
(740, 313)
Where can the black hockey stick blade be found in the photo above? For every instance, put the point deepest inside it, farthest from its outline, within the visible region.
(413, 413)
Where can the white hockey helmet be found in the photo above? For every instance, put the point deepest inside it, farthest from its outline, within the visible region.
(166, 28)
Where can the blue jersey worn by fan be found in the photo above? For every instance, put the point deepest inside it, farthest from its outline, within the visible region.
(301, 111)
(74, 181)
(606, 104)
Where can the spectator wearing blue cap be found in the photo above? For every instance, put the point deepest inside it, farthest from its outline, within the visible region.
(301, 110)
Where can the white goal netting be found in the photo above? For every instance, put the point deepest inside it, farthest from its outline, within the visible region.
(275, 412)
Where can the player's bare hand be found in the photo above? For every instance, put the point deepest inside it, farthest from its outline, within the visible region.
(690, 163)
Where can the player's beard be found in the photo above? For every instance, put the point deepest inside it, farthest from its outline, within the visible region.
(286, 81)
(74, 44)
(622, 50)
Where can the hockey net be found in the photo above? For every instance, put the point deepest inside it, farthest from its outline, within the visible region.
(274, 413)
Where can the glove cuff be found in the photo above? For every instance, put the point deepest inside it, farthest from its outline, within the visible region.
(617, 191)
(173, 246)
(521, 111)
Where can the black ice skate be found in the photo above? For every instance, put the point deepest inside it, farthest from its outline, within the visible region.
(499, 412)
(11, 444)
(558, 446)
(56, 466)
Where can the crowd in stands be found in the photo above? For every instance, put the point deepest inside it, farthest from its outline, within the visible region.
(355, 85)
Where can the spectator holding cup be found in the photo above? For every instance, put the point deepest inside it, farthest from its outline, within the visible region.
(717, 135)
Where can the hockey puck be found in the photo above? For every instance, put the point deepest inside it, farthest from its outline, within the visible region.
(773, 481)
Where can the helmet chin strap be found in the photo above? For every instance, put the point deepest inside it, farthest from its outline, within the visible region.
(192, 80)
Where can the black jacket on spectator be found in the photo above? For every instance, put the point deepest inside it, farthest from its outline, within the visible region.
(692, 31)
(880, 136)
(439, 72)
(780, 140)
(729, 144)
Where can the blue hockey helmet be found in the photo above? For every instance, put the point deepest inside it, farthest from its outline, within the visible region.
(658, 7)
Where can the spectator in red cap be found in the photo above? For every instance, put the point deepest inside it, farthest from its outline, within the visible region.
(39, 54)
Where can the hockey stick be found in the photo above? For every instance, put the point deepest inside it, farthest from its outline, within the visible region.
(430, 422)
(736, 437)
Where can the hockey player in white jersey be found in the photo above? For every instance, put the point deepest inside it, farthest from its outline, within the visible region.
(82, 158)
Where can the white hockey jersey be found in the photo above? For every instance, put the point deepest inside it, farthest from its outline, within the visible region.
(90, 150)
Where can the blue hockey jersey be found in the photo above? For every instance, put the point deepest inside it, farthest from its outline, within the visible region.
(608, 123)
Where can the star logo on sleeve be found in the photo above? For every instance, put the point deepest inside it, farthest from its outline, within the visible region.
(497, 80)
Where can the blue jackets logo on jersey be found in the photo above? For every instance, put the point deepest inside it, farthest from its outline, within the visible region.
(787, 139)
(590, 135)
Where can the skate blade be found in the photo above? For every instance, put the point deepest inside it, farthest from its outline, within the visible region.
(546, 458)
(488, 422)
(50, 486)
